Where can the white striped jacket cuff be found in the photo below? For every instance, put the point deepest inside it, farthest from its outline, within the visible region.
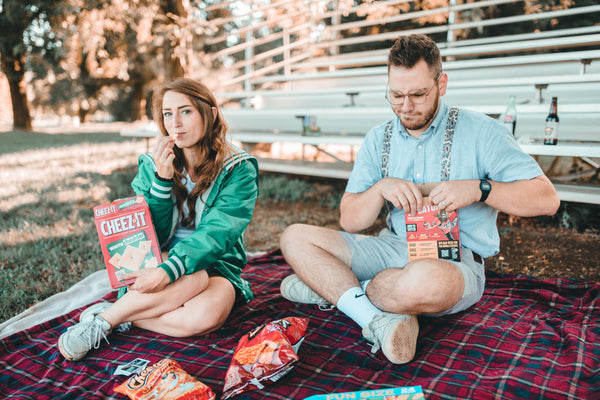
(174, 267)
(161, 190)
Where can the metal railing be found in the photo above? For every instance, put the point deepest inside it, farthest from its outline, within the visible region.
(303, 39)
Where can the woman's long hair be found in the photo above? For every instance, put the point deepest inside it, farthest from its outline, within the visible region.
(213, 147)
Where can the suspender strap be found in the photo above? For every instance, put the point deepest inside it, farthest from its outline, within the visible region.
(447, 144)
(446, 149)
(385, 153)
(385, 161)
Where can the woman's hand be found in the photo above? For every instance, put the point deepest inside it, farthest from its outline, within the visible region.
(163, 156)
(148, 280)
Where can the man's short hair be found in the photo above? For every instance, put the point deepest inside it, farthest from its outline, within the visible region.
(408, 50)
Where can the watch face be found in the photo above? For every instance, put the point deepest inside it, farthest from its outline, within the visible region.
(485, 185)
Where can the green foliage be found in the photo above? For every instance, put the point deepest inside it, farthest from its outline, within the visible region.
(578, 217)
(24, 26)
(285, 188)
(282, 188)
(574, 216)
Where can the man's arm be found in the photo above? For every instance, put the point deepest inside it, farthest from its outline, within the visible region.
(522, 198)
(358, 211)
(525, 198)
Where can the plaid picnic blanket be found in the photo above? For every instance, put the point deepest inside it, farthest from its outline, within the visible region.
(526, 338)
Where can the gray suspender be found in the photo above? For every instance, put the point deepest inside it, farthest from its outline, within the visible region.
(447, 144)
(446, 150)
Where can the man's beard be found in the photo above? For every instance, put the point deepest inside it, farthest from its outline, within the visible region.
(425, 120)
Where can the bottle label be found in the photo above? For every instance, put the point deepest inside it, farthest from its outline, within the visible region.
(551, 132)
(510, 122)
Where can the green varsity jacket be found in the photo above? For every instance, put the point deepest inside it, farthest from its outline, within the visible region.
(221, 220)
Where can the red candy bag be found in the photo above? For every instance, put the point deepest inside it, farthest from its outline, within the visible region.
(165, 380)
(264, 355)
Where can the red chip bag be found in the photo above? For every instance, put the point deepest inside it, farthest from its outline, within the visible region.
(165, 380)
(264, 355)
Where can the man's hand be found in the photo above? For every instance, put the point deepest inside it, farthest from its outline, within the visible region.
(358, 211)
(453, 195)
(148, 280)
(402, 194)
(163, 156)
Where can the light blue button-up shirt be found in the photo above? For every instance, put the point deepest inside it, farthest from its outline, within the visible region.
(482, 149)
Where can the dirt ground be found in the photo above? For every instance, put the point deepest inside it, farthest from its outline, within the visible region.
(538, 247)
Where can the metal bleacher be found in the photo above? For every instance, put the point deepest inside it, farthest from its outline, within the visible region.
(319, 62)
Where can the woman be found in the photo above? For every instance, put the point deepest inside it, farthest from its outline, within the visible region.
(201, 192)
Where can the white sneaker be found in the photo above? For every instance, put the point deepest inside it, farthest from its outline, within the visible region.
(395, 334)
(293, 289)
(96, 309)
(75, 343)
(92, 311)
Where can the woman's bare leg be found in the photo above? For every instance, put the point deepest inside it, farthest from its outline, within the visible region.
(135, 306)
(201, 314)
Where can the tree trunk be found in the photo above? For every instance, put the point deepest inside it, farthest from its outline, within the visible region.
(138, 109)
(15, 74)
(173, 67)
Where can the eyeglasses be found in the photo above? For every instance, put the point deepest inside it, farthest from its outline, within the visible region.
(397, 98)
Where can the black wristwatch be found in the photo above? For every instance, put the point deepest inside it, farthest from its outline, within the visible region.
(486, 188)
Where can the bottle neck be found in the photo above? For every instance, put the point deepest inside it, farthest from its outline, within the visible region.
(554, 106)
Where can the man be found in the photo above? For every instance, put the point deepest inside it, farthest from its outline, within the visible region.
(369, 278)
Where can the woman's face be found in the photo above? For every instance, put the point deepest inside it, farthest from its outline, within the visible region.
(182, 120)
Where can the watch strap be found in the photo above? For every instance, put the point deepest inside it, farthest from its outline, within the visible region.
(485, 187)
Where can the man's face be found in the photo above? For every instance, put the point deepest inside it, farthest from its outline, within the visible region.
(417, 81)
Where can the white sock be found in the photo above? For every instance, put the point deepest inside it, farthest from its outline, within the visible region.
(356, 305)
(103, 323)
(364, 284)
(124, 327)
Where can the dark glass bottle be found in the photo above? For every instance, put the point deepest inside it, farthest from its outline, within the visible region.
(510, 115)
(551, 131)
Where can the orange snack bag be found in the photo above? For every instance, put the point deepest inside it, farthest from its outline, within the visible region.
(264, 355)
(165, 380)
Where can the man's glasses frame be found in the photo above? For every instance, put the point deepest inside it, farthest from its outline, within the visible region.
(415, 98)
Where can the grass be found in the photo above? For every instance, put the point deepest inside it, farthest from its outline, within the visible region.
(50, 183)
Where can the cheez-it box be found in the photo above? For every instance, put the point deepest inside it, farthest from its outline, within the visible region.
(127, 238)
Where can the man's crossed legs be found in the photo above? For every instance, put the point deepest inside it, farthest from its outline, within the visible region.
(370, 280)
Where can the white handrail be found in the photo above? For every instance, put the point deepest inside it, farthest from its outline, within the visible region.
(448, 65)
(379, 57)
(298, 50)
(465, 25)
(471, 83)
(420, 14)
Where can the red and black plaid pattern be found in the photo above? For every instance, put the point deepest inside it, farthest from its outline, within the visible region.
(526, 339)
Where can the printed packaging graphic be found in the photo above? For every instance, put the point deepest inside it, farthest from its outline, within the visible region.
(127, 238)
(397, 393)
(433, 233)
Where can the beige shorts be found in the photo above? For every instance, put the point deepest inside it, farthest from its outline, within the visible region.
(372, 254)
